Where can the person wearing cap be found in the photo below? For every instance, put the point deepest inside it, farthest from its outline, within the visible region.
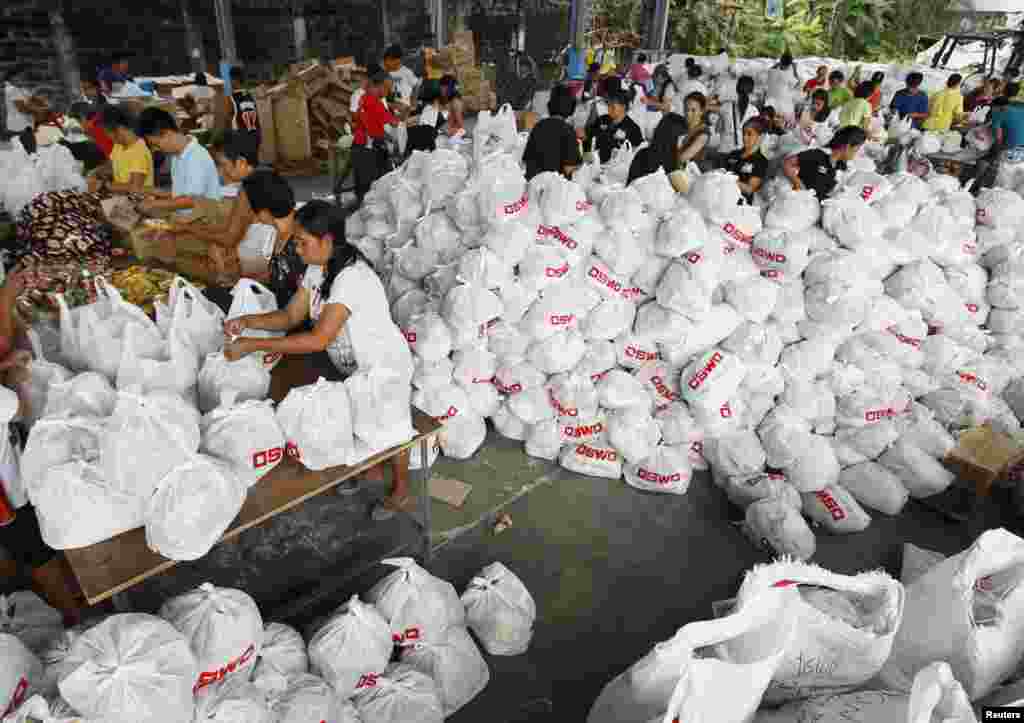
(370, 158)
(612, 130)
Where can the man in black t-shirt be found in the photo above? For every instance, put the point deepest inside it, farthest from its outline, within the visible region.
(816, 169)
(611, 131)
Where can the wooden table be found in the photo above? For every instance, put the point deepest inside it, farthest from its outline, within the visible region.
(115, 565)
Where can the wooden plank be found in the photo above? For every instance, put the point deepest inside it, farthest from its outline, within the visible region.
(268, 136)
(115, 565)
(291, 121)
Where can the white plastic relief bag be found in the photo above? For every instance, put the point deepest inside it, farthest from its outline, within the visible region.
(239, 703)
(43, 375)
(455, 665)
(192, 314)
(24, 615)
(282, 653)
(309, 699)
(20, 673)
(192, 507)
(131, 668)
(835, 509)
(595, 457)
(245, 434)
(741, 654)
(712, 378)
(634, 433)
(965, 610)
(418, 606)
(919, 472)
(174, 368)
(381, 415)
(500, 610)
(146, 437)
(317, 422)
(667, 470)
(224, 628)
(681, 231)
(402, 695)
(847, 624)
(352, 647)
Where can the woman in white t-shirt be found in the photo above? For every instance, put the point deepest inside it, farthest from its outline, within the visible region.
(345, 299)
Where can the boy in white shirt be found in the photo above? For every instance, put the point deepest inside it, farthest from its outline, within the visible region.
(405, 81)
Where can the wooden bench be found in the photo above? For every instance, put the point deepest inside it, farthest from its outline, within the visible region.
(115, 565)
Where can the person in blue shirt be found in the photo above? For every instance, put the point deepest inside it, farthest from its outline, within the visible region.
(193, 172)
(911, 101)
(1008, 119)
(114, 74)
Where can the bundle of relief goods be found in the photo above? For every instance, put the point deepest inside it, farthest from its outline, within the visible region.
(500, 610)
(352, 647)
(131, 667)
(283, 652)
(193, 506)
(453, 663)
(237, 703)
(743, 652)
(224, 629)
(20, 673)
(247, 379)
(246, 434)
(308, 698)
(622, 334)
(317, 424)
(401, 694)
(973, 604)
(417, 605)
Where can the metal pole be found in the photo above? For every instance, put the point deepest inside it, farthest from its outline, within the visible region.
(439, 11)
(66, 56)
(226, 31)
(193, 39)
(660, 26)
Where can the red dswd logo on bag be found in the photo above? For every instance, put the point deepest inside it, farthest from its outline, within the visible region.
(561, 319)
(292, 450)
(878, 415)
(514, 209)
(837, 512)
(411, 635)
(20, 693)
(980, 215)
(584, 206)
(595, 378)
(507, 388)
(603, 455)
(632, 293)
(488, 380)
(663, 389)
(973, 380)
(557, 234)
(970, 248)
(867, 192)
(558, 272)
(582, 430)
(215, 676)
(697, 447)
(909, 340)
(661, 479)
(272, 358)
(693, 257)
(449, 413)
(726, 411)
(602, 278)
(642, 355)
(973, 308)
(366, 681)
(557, 406)
(267, 456)
(735, 234)
(701, 376)
(410, 336)
(773, 256)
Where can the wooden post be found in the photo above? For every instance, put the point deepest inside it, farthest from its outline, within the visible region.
(193, 39)
(66, 56)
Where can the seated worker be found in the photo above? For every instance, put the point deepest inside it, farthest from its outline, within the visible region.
(194, 179)
(454, 104)
(131, 163)
(610, 132)
(220, 252)
(945, 108)
(270, 195)
(911, 101)
(370, 159)
(816, 169)
(773, 123)
(665, 152)
(51, 576)
(345, 299)
(748, 163)
(1007, 134)
(431, 120)
(404, 80)
(838, 92)
(552, 145)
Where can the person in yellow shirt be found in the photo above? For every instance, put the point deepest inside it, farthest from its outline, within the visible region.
(945, 107)
(131, 164)
(857, 110)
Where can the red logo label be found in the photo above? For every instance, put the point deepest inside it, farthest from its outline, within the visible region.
(584, 206)
(20, 692)
(973, 308)
(916, 343)
(266, 457)
(411, 635)
(661, 479)
(698, 379)
(877, 415)
(694, 258)
(583, 430)
(451, 412)
(734, 233)
(697, 447)
(867, 192)
(773, 256)
(507, 388)
(604, 455)
(557, 273)
(640, 354)
(557, 405)
(604, 280)
(272, 358)
(837, 512)
(215, 676)
(410, 336)
(558, 235)
(969, 378)
(366, 681)
(488, 380)
(726, 411)
(970, 248)
(598, 377)
(514, 209)
(561, 319)
(292, 450)
(662, 388)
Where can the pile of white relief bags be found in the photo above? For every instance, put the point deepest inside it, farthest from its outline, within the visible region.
(208, 656)
(819, 356)
(147, 424)
(25, 176)
(802, 643)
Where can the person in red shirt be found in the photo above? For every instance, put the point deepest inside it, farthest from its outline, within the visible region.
(370, 158)
(820, 80)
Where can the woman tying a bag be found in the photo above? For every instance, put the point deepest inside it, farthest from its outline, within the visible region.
(343, 297)
(664, 152)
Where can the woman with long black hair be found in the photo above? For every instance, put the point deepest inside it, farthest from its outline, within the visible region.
(663, 152)
(344, 298)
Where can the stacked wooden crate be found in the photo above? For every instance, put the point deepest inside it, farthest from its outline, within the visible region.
(459, 59)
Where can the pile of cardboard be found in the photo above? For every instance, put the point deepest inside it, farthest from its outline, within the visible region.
(303, 116)
(459, 59)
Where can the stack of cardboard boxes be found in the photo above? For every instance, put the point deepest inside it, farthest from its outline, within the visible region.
(459, 59)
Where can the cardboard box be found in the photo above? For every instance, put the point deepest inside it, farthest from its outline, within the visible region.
(983, 455)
